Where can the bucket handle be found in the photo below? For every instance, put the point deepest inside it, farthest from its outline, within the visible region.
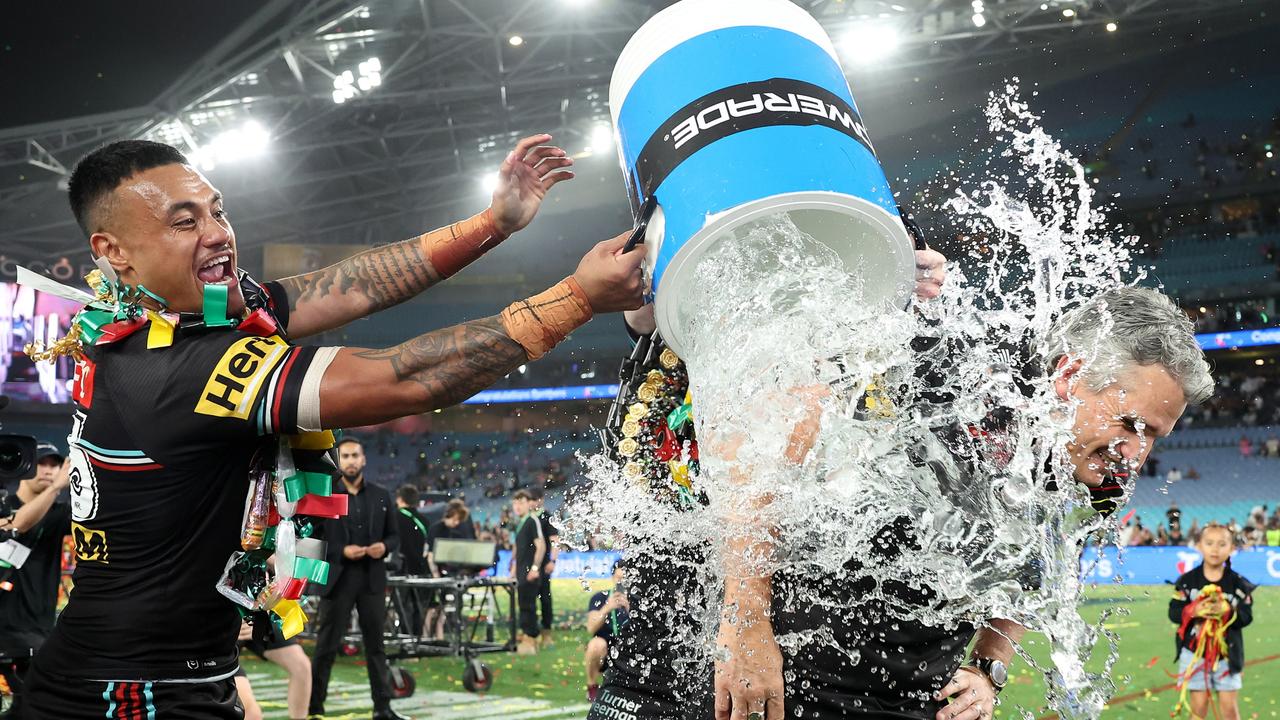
(642, 223)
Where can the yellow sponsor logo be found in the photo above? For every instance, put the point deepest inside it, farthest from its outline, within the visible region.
(239, 375)
(91, 545)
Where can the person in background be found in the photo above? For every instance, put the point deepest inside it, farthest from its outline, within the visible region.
(289, 655)
(358, 544)
(411, 559)
(38, 523)
(607, 612)
(1211, 605)
(552, 536)
(452, 526)
(527, 556)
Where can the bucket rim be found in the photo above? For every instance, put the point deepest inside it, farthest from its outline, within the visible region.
(899, 242)
(692, 18)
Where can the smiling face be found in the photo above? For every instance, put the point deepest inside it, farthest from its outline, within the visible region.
(166, 228)
(1119, 424)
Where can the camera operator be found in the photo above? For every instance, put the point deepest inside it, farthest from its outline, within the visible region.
(607, 612)
(454, 525)
(39, 523)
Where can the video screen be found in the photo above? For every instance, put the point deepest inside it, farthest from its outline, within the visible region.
(26, 316)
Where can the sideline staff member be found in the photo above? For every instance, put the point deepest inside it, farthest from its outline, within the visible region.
(39, 523)
(529, 549)
(358, 543)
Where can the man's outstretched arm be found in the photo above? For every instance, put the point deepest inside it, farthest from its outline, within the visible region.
(445, 367)
(379, 278)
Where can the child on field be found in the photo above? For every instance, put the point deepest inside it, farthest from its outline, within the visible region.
(1211, 605)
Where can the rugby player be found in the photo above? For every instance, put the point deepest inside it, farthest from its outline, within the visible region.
(164, 436)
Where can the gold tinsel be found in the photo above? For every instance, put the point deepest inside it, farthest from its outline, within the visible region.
(70, 345)
(67, 346)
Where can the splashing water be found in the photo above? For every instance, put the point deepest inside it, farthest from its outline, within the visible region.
(926, 446)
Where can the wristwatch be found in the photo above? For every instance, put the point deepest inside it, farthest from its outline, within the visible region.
(995, 671)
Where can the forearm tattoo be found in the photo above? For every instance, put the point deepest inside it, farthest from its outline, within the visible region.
(383, 276)
(454, 363)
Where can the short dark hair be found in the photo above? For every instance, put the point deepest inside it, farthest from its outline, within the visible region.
(522, 494)
(536, 494)
(408, 494)
(350, 439)
(102, 171)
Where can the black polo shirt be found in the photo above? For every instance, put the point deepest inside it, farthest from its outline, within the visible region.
(28, 611)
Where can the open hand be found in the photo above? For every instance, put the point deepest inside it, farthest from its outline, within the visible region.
(750, 678)
(527, 173)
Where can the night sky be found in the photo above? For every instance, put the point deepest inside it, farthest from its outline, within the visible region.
(64, 59)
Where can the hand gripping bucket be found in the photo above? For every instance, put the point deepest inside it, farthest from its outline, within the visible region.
(728, 112)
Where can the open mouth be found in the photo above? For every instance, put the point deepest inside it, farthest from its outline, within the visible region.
(216, 270)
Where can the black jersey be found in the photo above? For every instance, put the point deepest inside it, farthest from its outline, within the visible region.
(527, 530)
(161, 446)
(1239, 593)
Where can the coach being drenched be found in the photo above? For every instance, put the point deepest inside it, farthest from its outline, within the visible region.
(164, 436)
(1128, 362)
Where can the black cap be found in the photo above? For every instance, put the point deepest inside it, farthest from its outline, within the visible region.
(48, 450)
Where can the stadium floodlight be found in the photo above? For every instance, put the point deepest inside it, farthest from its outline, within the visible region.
(1068, 13)
(515, 41)
(869, 44)
(979, 19)
(601, 137)
(250, 140)
(1112, 27)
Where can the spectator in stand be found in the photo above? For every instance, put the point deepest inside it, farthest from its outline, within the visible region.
(1152, 468)
(1272, 447)
(1174, 475)
(1273, 532)
(1162, 536)
(1193, 535)
(1173, 514)
(1246, 446)
(1176, 538)
(1193, 473)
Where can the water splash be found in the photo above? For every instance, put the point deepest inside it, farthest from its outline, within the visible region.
(934, 430)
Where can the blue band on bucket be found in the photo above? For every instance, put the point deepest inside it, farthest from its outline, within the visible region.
(735, 109)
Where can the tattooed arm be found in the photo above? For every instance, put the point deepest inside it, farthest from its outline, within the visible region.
(445, 367)
(379, 278)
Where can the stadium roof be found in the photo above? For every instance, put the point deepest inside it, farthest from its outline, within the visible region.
(379, 119)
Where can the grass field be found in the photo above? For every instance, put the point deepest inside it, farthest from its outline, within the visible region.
(553, 681)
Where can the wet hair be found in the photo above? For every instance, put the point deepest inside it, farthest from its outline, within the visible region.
(408, 494)
(102, 171)
(1132, 326)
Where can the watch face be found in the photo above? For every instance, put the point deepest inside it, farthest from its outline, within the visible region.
(999, 675)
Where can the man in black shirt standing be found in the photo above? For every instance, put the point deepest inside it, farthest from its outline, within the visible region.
(35, 529)
(411, 559)
(551, 534)
(530, 549)
(358, 544)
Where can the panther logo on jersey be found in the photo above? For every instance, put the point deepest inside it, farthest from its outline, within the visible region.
(91, 545)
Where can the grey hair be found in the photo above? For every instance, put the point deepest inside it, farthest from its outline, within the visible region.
(1129, 326)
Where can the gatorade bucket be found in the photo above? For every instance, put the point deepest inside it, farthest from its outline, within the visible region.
(728, 112)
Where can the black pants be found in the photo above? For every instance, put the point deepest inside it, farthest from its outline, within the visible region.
(527, 599)
(51, 696)
(335, 615)
(14, 672)
(544, 600)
